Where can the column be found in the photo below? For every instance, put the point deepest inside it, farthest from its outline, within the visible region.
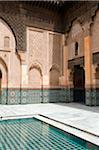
(70, 84)
(67, 76)
(23, 78)
(94, 91)
(88, 65)
(65, 65)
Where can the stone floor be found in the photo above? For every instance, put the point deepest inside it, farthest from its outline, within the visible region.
(80, 117)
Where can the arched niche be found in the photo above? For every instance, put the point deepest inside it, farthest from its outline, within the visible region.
(76, 30)
(54, 75)
(7, 38)
(3, 81)
(35, 76)
(4, 73)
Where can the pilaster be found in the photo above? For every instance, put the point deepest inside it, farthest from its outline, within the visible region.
(88, 64)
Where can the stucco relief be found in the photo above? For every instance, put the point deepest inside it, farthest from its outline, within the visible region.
(54, 75)
(4, 72)
(8, 54)
(55, 49)
(5, 56)
(76, 30)
(76, 34)
(5, 31)
(35, 76)
(36, 45)
(37, 48)
(95, 33)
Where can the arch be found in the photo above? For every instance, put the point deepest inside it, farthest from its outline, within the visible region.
(35, 76)
(36, 66)
(56, 67)
(6, 31)
(0, 74)
(54, 75)
(3, 62)
(12, 30)
(4, 72)
(75, 29)
(3, 81)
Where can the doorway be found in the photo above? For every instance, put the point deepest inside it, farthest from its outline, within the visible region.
(79, 84)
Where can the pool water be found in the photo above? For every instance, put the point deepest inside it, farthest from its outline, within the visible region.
(32, 134)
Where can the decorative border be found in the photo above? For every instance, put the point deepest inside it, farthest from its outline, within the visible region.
(31, 96)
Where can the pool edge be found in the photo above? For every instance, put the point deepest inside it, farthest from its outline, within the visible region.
(74, 131)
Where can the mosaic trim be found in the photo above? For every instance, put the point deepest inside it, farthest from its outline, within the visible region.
(92, 97)
(28, 96)
(4, 96)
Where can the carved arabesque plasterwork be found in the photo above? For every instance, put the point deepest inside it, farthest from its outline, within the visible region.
(5, 56)
(36, 45)
(76, 31)
(76, 34)
(95, 32)
(55, 48)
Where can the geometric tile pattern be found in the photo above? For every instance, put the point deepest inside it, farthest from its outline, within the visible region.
(92, 96)
(54, 95)
(3, 97)
(29, 96)
(31, 134)
(13, 96)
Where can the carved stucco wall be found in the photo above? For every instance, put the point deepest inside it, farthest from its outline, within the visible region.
(55, 49)
(35, 79)
(81, 11)
(9, 56)
(36, 52)
(95, 33)
(44, 49)
(54, 76)
(4, 72)
(75, 35)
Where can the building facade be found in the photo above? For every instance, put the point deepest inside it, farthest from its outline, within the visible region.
(49, 52)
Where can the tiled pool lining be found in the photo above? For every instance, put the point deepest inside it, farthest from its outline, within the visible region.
(34, 134)
(84, 135)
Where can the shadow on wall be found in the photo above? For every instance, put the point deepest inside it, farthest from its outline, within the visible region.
(3, 82)
(97, 84)
(54, 76)
(56, 93)
(35, 77)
